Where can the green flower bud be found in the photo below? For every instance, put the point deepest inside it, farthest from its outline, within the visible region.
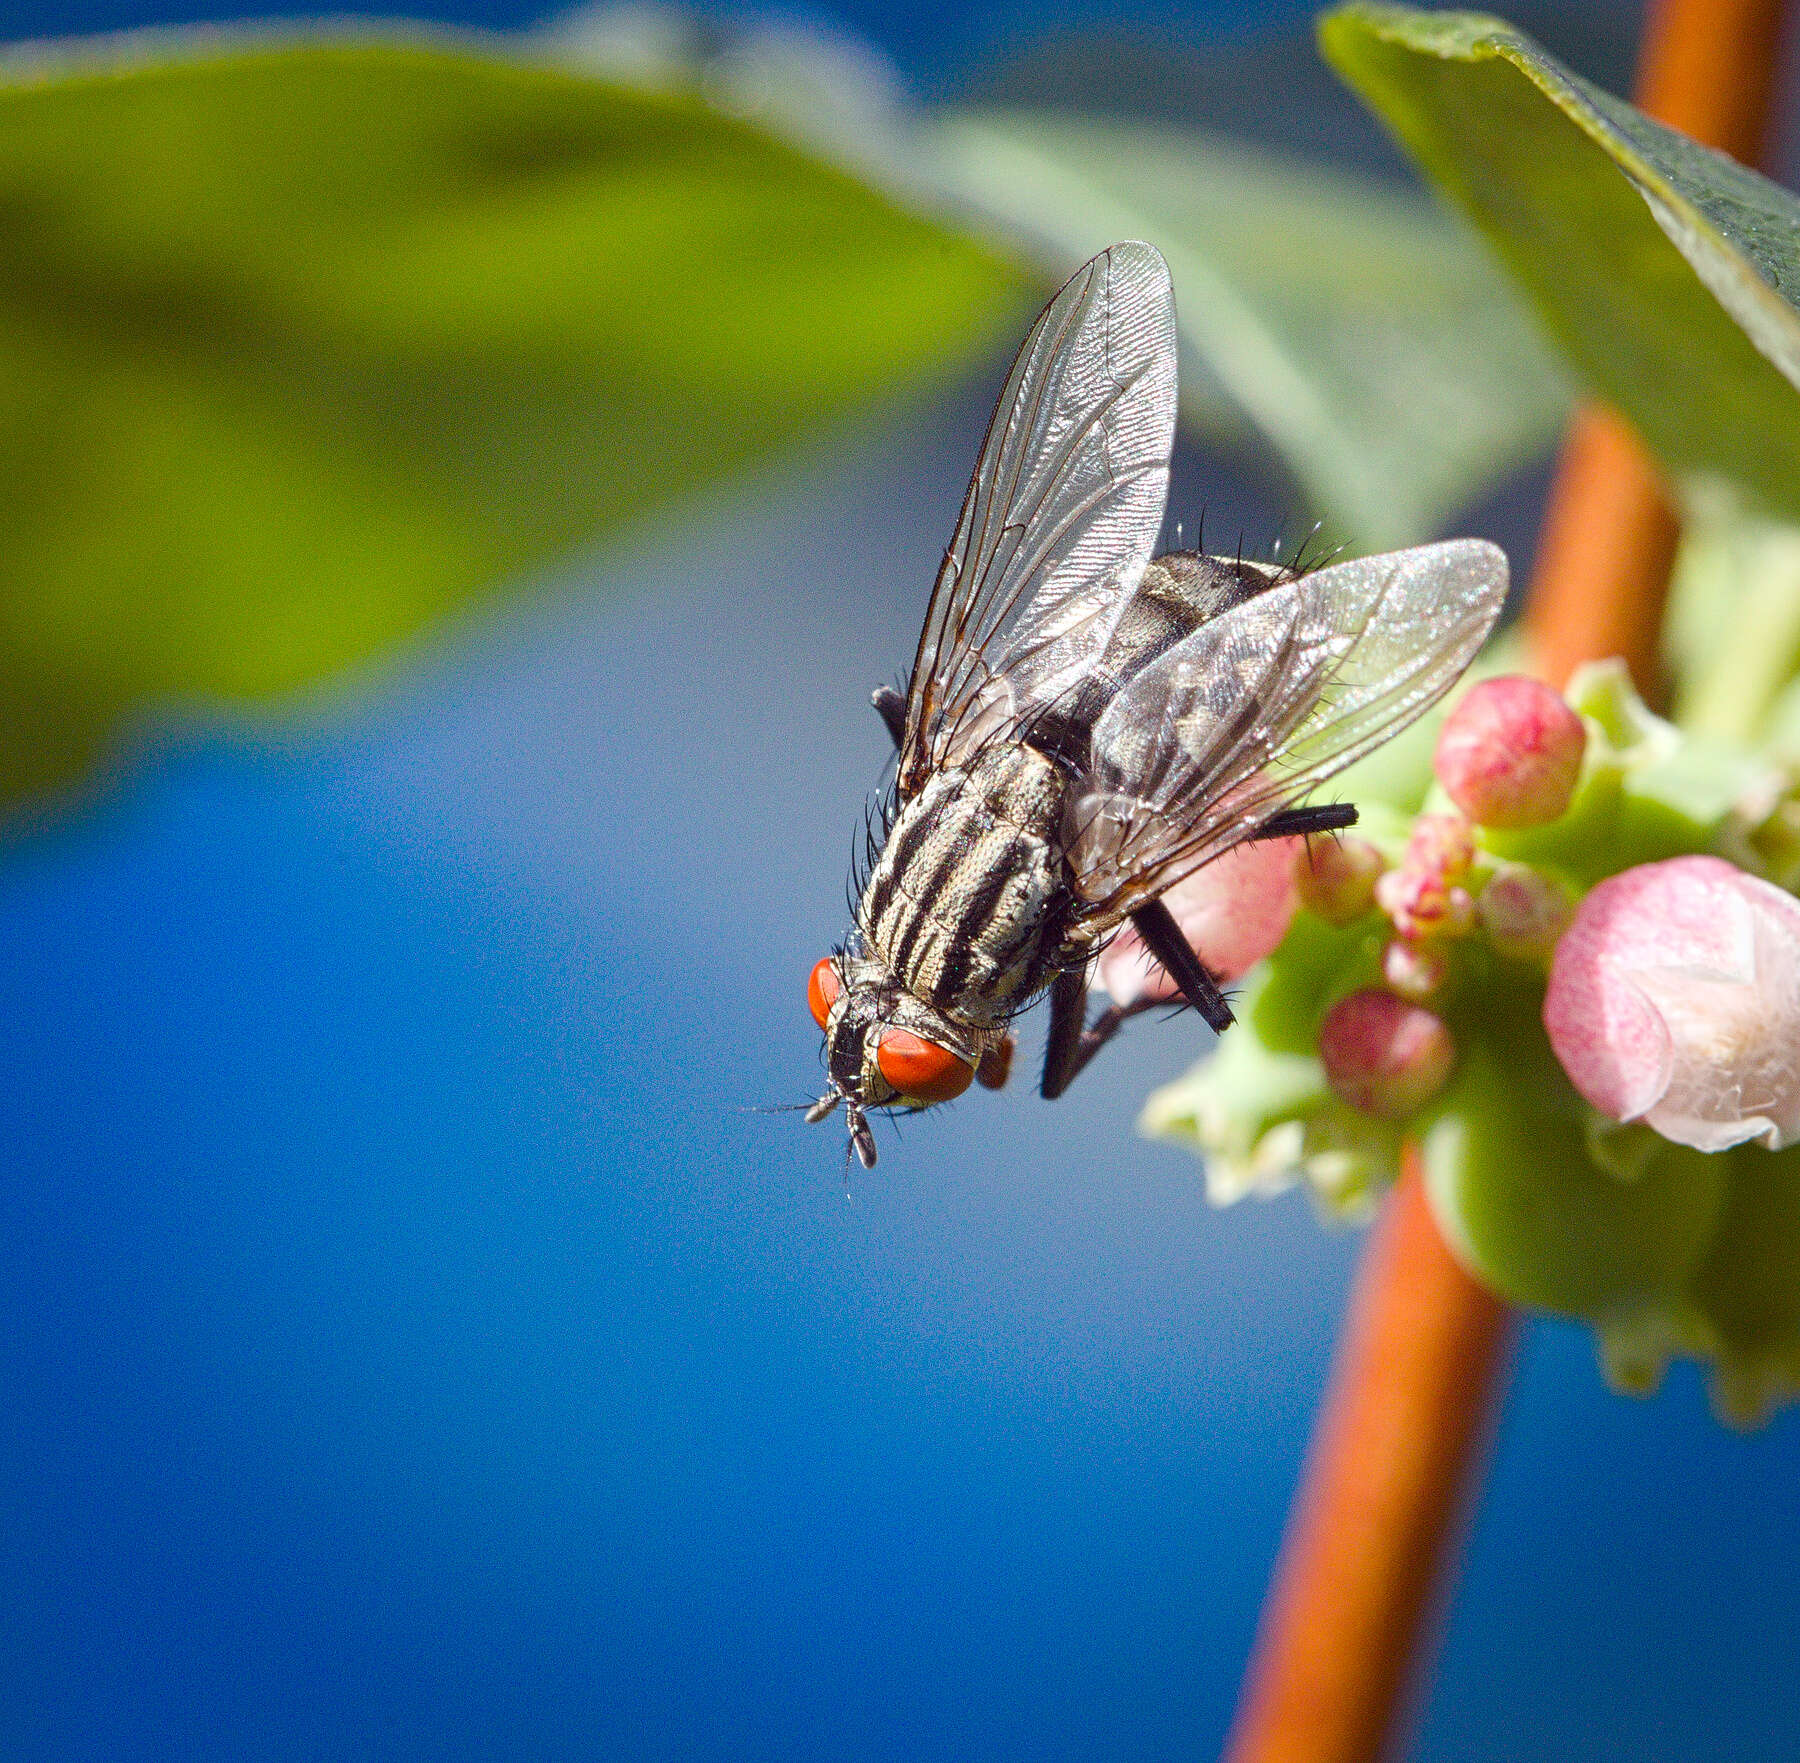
(1336, 877)
(1523, 911)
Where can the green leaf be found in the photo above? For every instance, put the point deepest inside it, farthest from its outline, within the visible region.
(1355, 326)
(1664, 270)
(302, 346)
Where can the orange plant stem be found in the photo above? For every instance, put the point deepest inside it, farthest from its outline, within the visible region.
(1604, 555)
(1419, 1364)
(1707, 67)
(1421, 1354)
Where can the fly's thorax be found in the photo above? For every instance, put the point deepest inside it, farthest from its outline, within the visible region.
(873, 1003)
(966, 901)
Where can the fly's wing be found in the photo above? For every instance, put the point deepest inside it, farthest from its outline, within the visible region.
(1248, 713)
(1061, 514)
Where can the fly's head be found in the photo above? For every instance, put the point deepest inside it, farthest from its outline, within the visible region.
(885, 1048)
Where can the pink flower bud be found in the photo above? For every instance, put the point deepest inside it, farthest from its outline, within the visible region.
(1414, 970)
(1336, 877)
(1234, 911)
(1510, 752)
(1524, 912)
(1674, 999)
(1421, 896)
(1384, 1055)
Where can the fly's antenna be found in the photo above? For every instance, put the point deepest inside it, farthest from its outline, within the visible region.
(862, 1138)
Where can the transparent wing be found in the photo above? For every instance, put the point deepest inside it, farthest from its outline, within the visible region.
(1252, 710)
(1061, 514)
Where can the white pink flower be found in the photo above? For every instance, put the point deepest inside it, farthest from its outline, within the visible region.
(1234, 911)
(1674, 999)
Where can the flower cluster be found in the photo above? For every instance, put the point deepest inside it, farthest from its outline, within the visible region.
(1552, 965)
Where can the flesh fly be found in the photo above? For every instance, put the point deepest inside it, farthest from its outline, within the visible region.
(1086, 725)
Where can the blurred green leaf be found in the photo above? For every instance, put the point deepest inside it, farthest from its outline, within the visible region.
(1358, 328)
(1665, 270)
(302, 346)
(1732, 629)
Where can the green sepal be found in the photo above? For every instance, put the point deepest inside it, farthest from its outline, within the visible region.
(1746, 1291)
(1264, 1120)
(1317, 964)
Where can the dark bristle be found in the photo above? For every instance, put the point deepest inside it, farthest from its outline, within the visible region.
(879, 814)
(1306, 561)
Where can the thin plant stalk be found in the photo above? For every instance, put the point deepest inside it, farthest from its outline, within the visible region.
(1421, 1361)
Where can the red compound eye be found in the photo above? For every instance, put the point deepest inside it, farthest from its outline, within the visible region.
(822, 989)
(921, 1070)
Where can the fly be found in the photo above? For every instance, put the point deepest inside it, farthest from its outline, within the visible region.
(1085, 725)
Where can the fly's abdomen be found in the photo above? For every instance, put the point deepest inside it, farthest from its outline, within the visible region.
(965, 902)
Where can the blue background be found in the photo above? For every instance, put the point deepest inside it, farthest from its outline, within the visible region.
(414, 1347)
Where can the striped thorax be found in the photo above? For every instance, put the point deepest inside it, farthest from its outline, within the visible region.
(962, 906)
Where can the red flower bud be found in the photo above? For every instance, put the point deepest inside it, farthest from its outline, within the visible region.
(1384, 1055)
(1509, 754)
(1421, 896)
(1524, 912)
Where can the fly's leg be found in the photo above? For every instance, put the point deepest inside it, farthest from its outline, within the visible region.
(1072, 1043)
(1162, 937)
(891, 708)
(1063, 1056)
(1327, 817)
